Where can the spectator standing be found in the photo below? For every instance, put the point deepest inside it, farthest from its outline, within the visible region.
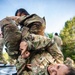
(58, 40)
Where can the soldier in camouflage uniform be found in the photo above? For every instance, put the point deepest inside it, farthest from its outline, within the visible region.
(41, 48)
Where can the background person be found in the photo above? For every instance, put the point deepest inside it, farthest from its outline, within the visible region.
(58, 40)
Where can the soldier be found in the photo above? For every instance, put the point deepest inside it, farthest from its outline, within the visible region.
(38, 46)
(58, 40)
(19, 12)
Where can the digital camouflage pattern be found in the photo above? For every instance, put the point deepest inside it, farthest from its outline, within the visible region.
(43, 50)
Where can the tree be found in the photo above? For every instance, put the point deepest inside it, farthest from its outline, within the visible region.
(68, 37)
(50, 35)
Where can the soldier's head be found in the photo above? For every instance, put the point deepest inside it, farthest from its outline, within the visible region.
(61, 69)
(56, 34)
(21, 12)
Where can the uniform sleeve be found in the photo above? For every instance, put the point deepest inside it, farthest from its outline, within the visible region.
(37, 42)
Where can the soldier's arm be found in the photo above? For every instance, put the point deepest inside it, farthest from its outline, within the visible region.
(33, 43)
(38, 42)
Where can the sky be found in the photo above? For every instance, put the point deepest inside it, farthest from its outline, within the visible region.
(56, 12)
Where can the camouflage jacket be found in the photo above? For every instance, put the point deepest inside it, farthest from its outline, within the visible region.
(43, 53)
(12, 34)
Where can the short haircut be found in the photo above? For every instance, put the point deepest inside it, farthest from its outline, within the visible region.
(21, 10)
(56, 34)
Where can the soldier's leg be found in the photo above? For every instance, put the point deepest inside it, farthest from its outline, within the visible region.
(12, 37)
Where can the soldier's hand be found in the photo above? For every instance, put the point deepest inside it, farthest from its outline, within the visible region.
(29, 66)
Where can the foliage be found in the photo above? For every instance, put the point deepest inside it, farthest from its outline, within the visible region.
(5, 55)
(50, 35)
(8, 58)
(68, 37)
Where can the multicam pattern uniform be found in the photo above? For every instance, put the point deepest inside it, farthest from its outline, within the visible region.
(12, 34)
(43, 50)
(43, 53)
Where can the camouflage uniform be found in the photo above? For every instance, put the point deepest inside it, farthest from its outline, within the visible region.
(43, 53)
(39, 46)
(43, 50)
(29, 24)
